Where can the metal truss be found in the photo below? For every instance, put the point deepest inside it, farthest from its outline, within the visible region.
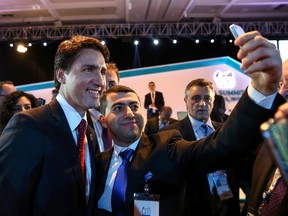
(268, 29)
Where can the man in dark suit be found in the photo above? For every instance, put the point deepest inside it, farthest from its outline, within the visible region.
(202, 200)
(42, 170)
(153, 102)
(154, 124)
(265, 178)
(165, 156)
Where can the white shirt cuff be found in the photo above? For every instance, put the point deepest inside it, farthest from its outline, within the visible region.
(259, 98)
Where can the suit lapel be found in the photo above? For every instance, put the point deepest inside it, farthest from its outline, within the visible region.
(184, 124)
(66, 137)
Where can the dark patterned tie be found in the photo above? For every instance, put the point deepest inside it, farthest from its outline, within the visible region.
(206, 129)
(107, 139)
(81, 146)
(120, 184)
(271, 207)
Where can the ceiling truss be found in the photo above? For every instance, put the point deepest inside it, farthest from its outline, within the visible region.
(268, 29)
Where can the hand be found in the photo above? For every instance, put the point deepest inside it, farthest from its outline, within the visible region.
(282, 111)
(261, 61)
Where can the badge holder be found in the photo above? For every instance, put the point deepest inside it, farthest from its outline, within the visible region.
(221, 183)
(146, 204)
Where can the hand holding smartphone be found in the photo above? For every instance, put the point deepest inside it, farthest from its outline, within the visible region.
(236, 30)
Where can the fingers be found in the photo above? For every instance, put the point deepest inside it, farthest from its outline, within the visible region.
(261, 61)
(254, 49)
(282, 111)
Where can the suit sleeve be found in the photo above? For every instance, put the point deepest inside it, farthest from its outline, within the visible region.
(238, 137)
(20, 165)
(147, 101)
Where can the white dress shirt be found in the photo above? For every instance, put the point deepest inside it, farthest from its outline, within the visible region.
(74, 118)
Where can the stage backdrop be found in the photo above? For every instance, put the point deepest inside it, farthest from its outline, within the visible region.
(171, 80)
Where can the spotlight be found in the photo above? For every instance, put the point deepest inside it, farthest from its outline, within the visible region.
(175, 41)
(136, 42)
(212, 40)
(11, 45)
(230, 41)
(22, 48)
(197, 41)
(44, 43)
(103, 42)
(156, 41)
(30, 44)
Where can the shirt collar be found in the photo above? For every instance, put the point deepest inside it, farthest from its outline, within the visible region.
(118, 149)
(197, 124)
(72, 116)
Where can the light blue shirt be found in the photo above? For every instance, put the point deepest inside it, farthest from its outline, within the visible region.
(105, 200)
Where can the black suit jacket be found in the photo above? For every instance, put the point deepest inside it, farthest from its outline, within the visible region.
(159, 102)
(263, 172)
(170, 158)
(198, 199)
(152, 125)
(40, 171)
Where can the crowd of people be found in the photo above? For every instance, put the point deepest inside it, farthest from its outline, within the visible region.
(88, 151)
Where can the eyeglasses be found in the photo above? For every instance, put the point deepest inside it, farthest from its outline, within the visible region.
(19, 108)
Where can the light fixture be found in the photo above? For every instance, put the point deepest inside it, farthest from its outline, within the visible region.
(11, 45)
(22, 48)
(212, 40)
(44, 43)
(156, 41)
(197, 41)
(136, 42)
(103, 42)
(175, 41)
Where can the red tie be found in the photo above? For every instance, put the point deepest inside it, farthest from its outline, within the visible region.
(81, 146)
(107, 139)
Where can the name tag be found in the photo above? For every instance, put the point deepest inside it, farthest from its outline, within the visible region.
(146, 204)
(223, 189)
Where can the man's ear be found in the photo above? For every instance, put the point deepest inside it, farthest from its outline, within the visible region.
(102, 121)
(60, 74)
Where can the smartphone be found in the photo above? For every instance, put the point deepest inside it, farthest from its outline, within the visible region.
(275, 134)
(236, 30)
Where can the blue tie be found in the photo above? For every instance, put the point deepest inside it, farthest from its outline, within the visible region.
(206, 129)
(120, 184)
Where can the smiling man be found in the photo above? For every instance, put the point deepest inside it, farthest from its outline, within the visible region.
(164, 160)
(47, 164)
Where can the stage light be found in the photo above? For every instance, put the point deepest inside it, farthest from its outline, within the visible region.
(103, 42)
(212, 40)
(175, 41)
(11, 45)
(136, 42)
(156, 41)
(21, 48)
(197, 41)
(30, 44)
(44, 43)
(230, 41)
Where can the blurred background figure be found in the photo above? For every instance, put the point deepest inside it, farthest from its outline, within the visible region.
(219, 109)
(13, 103)
(112, 75)
(154, 124)
(6, 87)
(283, 85)
(154, 100)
